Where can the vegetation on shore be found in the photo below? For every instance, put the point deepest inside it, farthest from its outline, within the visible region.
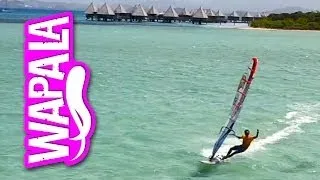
(294, 21)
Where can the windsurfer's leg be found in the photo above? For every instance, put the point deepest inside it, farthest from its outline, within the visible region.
(236, 149)
(235, 152)
(232, 149)
(239, 150)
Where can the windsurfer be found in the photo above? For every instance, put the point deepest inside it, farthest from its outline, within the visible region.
(246, 141)
(241, 94)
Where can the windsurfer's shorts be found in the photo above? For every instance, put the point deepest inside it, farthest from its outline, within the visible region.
(239, 148)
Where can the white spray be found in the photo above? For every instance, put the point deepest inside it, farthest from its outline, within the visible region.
(301, 114)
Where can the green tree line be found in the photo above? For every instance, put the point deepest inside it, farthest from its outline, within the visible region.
(294, 21)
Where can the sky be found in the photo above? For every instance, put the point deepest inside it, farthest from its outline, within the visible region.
(250, 5)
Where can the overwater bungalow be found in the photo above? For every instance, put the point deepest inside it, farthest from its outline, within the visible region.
(211, 16)
(91, 11)
(106, 13)
(138, 13)
(121, 13)
(153, 14)
(192, 11)
(264, 14)
(247, 17)
(199, 16)
(261, 15)
(234, 17)
(220, 17)
(258, 16)
(170, 15)
(160, 15)
(184, 15)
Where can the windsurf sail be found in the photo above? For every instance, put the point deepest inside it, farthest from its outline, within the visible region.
(237, 104)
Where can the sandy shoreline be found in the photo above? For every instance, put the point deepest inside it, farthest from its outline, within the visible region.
(267, 29)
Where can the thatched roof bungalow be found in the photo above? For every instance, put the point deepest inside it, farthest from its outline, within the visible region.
(138, 13)
(122, 13)
(211, 16)
(247, 17)
(199, 16)
(160, 15)
(192, 11)
(91, 11)
(184, 15)
(105, 12)
(234, 16)
(210, 13)
(264, 14)
(220, 17)
(258, 16)
(153, 14)
(170, 15)
(220, 14)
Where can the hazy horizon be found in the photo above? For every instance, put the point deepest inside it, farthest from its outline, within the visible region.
(250, 5)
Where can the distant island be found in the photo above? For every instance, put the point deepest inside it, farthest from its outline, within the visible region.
(293, 21)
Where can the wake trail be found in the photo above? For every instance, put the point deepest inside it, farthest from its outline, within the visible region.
(301, 114)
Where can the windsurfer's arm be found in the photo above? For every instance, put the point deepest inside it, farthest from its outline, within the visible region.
(257, 134)
(239, 137)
